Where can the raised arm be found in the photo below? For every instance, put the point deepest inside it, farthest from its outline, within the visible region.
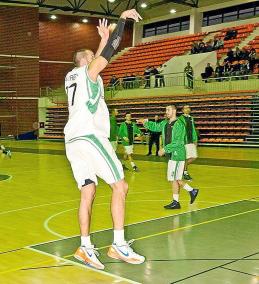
(99, 63)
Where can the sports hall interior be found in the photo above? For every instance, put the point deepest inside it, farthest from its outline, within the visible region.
(214, 240)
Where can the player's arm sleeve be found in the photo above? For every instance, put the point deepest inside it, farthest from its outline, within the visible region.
(121, 132)
(154, 126)
(98, 64)
(178, 135)
(194, 132)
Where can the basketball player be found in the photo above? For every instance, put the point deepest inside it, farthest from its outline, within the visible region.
(127, 132)
(173, 136)
(87, 146)
(191, 139)
(114, 129)
(5, 151)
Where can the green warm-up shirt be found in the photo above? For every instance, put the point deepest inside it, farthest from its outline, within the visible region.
(191, 133)
(177, 145)
(113, 128)
(123, 132)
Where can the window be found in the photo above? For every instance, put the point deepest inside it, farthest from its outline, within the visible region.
(243, 11)
(169, 26)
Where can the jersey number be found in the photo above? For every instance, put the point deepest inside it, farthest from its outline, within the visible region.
(74, 91)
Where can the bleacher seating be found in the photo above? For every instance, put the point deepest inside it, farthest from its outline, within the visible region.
(152, 53)
(243, 32)
(225, 118)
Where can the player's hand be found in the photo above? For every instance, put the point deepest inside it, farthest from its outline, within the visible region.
(161, 152)
(126, 139)
(142, 120)
(103, 29)
(131, 14)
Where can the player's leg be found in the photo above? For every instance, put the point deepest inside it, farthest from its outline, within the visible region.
(191, 155)
(120, 249)
(157, 145)
(150, 144)
(192, 191)
(78, 153)
(5, 151)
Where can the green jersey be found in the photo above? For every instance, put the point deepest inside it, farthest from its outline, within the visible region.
(177, 145)
(124, 132)
(191, 133)
(113, 128)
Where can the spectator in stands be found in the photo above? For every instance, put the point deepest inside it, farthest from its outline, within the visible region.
(155, 73)
(209, 71)
(133, 80)
(252, 58)
(218, 43)
(230, 34)
(256, 69)
(244, 54)
(113, 81)
(219, 71)
(226, 69)
(235, 71)
(238, 54)
(161, 75)
(188, 71)
(244, 68)
(230, 56)
(126, 81)
(202, 47)
(208, 47)
(147, 74)
(195, 48)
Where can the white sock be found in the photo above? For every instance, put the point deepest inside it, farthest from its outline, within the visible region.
(176, 197)
(86, 241)
(118, 237)
(132, 164)
(187, 187)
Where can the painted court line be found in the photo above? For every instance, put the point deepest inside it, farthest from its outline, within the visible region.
(184, 227)
(153, 219)
(85, 267)
(101, 196)
(46, 222)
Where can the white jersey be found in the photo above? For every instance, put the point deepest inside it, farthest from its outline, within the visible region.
(88, 112)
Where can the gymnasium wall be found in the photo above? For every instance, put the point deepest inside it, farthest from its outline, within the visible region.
(19, 38)
(60, 38)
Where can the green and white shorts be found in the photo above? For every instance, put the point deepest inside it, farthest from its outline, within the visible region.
(91, 157)
(175, 170)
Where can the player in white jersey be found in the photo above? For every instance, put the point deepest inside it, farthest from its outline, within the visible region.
(88, 148)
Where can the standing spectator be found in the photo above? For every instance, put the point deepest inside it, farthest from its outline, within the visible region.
(208, 72)
(155, 72)
(161, 75)
(154, 138)
(218, 43)
(188, 71)
(147, 74)
(113, 82)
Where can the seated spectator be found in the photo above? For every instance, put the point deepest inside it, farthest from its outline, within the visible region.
(244, 54)
(208, 72)
(226, 69)
(218, 43)
(230, 56)
(238, 54)
(219, 71)
(252, 58)
(208, 47)
(235, 69)
(244, 68)
(195, 48)
(230, 34)
(202, 47)
(256, 69)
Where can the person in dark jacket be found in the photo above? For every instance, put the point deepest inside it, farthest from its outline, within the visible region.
(154, 138)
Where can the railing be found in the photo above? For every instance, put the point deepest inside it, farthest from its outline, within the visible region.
(230, 83)
(147, 82)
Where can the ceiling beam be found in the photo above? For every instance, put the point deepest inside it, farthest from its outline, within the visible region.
(42, 4)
